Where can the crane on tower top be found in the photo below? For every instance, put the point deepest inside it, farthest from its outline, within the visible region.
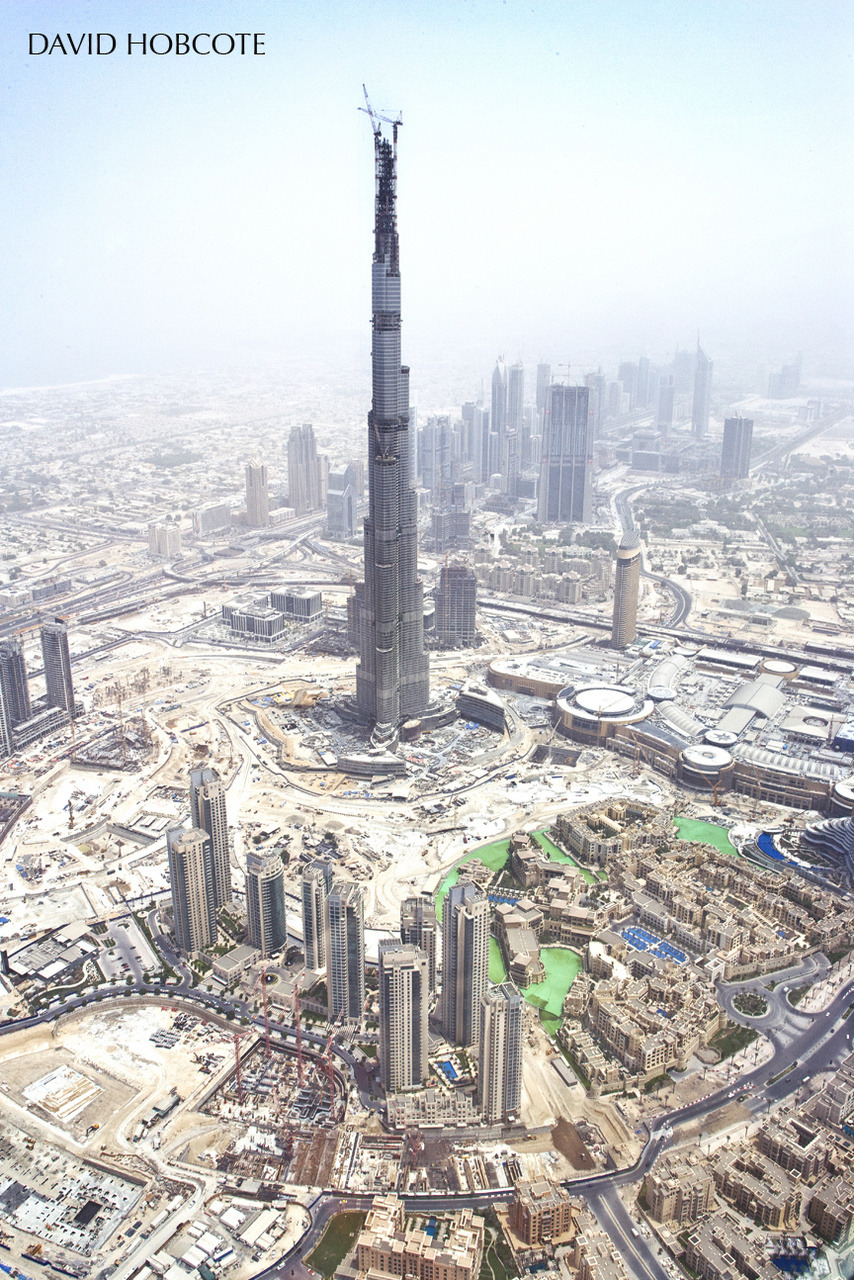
(376, 119)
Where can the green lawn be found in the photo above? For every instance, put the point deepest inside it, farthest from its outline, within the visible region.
(496, 856)
(497, 971)
(336, 1242)
(562, 967)
(493, 855)
(558, 855)
(732, 1039)
(705, 833)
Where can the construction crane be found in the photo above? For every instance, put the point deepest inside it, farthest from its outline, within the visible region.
(376, 120)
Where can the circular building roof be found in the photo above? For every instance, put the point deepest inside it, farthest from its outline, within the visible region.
(605, 701)
(661, 692)
(706, 758)
(720, 737)
(777, 667)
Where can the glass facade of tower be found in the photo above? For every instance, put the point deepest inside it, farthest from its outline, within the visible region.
(392, 679)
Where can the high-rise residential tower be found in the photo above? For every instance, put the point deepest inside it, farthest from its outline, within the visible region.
(265, 902)
(207, 812)
(702, 394)
(392, 677)
(544, 380)
(456, 606)
(306, 471)
(465, 961)
(257, 495)
(345, 950)
(13, 682)
(404, 994)
(513, 455)
(191, 879)
(316, 883)
(57, 666)
(566, 469)
(735, 455)
(626, 587)
(499, 1080)
(418, 928)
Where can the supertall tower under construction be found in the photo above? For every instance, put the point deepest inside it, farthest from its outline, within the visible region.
(392, 679)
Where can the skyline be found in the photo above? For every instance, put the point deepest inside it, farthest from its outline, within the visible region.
(189, 210)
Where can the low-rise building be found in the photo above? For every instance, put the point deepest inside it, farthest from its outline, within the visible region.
(390, 1245)
(541, 1211)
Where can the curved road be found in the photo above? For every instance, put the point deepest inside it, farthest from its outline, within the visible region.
(681, 597)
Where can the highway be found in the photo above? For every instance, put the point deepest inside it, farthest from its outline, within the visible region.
(682, 599)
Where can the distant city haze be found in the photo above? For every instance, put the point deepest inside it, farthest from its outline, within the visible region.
(578, 182)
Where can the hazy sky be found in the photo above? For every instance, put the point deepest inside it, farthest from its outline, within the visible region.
(573, 176)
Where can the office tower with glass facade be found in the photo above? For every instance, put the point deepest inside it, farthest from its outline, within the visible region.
(566, 469)
(57, 666)
(13, 682)
(702, 394)
(735, 454)
(257, 495)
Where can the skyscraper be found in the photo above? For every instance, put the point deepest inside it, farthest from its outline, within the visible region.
(403, 998)
(257, 496)
(418, 929)
(642, 386)
(456, 605)
(626, 586)
(465, 961)
(499, 399)
(566, 469)
(735, 455)
(13, 682)
(207, 813)
(191, 880)
(392, 677)
(306, 471)
(265, 902)
(316, 883)
(57, 665)
(702, 394)
(499, 1080)
(345, 950)
(544, 379)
